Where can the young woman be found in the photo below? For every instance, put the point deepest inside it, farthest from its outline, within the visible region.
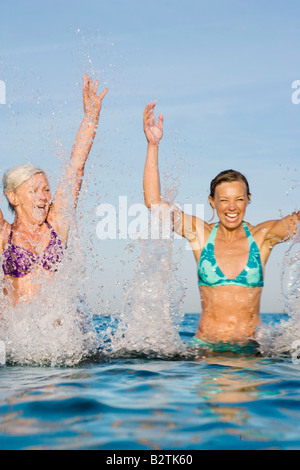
(36, 239)
(230, 254)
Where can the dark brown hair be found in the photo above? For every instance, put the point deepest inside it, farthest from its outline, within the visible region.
(228, 176)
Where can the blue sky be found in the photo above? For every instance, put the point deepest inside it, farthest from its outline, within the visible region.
(221, 72)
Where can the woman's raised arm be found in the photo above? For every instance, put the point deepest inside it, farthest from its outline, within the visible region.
(185, 225)
(153, 132)
(92, 103)
(85, 137)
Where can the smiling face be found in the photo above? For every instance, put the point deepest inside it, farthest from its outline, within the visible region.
(230, 201)
(32, 199)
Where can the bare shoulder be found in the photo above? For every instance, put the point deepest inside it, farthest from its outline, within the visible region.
(203, 230)
(263, 227)
(191, 227)
(276, 231)
(59, 224)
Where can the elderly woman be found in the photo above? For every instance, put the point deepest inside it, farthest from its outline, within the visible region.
(36, 239)
(231, 254)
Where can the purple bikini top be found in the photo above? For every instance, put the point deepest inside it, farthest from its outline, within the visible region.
(18, 262)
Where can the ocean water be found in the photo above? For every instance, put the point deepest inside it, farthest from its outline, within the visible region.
(147, 402)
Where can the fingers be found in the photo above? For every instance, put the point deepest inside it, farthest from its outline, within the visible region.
(149, 114)
(90, 88)
(95, 87)
(150, 107)
(85, 86)
(103, 93)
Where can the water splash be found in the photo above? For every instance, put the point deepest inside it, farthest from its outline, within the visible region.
(54, 327)
(284, 338)
(151, 314)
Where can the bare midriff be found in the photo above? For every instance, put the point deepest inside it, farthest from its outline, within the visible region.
(229, 313)
(22, 289)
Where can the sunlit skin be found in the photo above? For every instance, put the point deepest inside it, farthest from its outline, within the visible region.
(230, 313)
(34, 206)
(32, 203)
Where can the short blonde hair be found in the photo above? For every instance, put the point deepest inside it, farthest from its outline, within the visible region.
(13, 178)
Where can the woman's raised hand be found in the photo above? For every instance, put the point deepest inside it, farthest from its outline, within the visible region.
(153, 130)
(91, 101)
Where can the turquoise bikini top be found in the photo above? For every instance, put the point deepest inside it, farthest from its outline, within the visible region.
(210, 274)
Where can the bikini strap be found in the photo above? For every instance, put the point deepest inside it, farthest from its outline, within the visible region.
(213, 234)
(10, 237)
(50, 228)
(248, 233)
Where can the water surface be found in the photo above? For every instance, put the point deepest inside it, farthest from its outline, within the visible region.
(223, 401)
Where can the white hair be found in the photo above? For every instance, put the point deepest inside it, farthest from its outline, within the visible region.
(13, 178)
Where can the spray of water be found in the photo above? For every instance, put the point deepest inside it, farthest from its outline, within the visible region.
(54, 327)
(284, 338)
(151, 314)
